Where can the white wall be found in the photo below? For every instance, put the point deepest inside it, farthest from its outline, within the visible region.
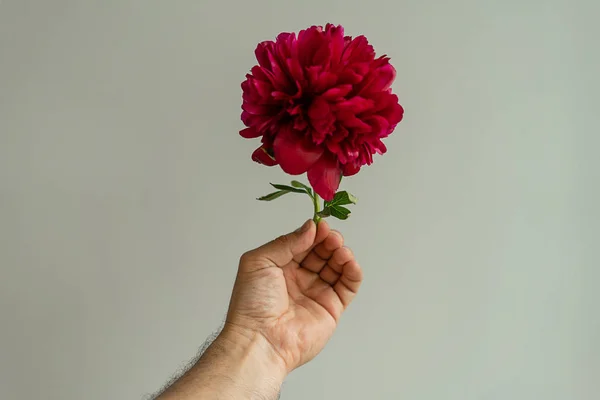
(126, 197)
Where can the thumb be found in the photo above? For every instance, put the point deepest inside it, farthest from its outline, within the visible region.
(282, 250)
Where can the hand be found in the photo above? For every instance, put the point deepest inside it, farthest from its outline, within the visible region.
(293, 290)
(286, 302)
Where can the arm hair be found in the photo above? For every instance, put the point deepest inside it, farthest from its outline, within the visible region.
(181, 371)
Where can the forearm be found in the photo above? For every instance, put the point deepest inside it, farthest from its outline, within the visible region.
(237, 365)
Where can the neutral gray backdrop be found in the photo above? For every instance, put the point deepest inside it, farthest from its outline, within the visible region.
(127, 196)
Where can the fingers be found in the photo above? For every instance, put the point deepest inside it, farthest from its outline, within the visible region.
(332, 271)
(334, 241)
(349, 283)
(322, 252)
(337, 284)
(282, 250)
(329, 275)
(322, 233)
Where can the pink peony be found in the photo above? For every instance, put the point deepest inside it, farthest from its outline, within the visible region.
(322, 104)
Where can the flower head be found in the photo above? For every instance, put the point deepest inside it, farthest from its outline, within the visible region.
(321, 102)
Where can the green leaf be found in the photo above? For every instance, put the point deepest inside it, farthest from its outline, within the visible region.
(324, 213)
(341, 199)
(301, 185)
(338, 212)
(287, 188)
(273, 196)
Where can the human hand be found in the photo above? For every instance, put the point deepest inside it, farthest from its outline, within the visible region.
(293, 291)
(286, 302)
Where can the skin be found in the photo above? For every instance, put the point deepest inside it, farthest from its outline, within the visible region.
(286, 303)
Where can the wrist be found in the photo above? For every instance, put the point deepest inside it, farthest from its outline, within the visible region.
(239, 364)
(251, 349)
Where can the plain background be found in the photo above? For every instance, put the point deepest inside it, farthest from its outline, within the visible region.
(127, 196)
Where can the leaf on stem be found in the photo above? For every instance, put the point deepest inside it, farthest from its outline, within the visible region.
(273, 196)
(341, 199)
(334, 208)
(287, 188)
(338, 212)
(301, 185)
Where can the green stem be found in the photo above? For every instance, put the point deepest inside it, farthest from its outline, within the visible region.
(315, 198)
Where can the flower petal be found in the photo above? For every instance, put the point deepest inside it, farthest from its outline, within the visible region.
(349, 120)
(259, 109)
(379, 147)
(351, 168)
(250, 133)
(309, 42)
(324, 176)
(261, 156)
(358, 50)
(337, 92)
(381, 78)
(395, 114)
(261, 53)
(356, 104)
(321, 117)
(295, 152)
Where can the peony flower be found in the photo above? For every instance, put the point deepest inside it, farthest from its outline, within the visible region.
(321, 103)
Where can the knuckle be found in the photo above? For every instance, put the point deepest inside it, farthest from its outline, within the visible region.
(338, 233)
(246, 258)
(282, 240)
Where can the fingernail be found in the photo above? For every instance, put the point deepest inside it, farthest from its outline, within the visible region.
(305, 227)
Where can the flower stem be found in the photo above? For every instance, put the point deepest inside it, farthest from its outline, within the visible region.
(316, 218)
